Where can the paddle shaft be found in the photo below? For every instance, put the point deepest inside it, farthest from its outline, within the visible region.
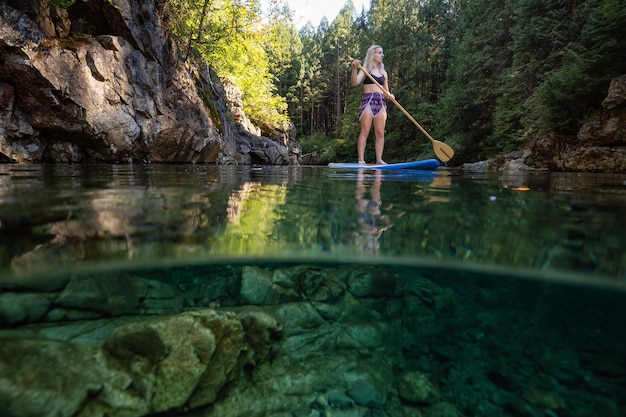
(406, 113)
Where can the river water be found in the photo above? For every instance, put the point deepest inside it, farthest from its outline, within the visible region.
(536, 223)
(537, 254)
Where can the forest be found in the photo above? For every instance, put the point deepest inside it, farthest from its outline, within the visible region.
(484, 76)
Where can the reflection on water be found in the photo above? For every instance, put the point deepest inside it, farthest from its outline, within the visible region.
(372, 223)
(299, 291)
(253, 211)
(64, 216)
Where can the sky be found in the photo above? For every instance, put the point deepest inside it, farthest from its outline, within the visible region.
(315, 10)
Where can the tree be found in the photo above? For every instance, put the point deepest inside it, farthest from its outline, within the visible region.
(589, 53)
(232, 37)
(479, 55)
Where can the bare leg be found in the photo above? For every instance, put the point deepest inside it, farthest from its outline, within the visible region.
(379, 132)
(366, 124)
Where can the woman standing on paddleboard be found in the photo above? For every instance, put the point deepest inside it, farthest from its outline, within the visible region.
(373, 110)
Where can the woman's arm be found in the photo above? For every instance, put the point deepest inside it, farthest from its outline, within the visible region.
(386, 85)
(357, 78)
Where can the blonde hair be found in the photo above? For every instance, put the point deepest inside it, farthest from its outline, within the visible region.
(369, 59)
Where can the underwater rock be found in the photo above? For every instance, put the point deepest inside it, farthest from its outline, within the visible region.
(415, 387)
(47, 378)
(258, 288)
(307, 358)
(364, 393)
(262, 330)
(411, 412)
(611, 365)
(340, 400)
(144, 367)
(562, 364)
(23, 307)
(173, 373)
(441, 409)
(119, 296)
(533, 401)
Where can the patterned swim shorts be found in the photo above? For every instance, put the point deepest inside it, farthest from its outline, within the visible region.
(375, 102)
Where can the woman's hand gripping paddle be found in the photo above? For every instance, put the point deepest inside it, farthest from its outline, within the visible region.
(443, 151)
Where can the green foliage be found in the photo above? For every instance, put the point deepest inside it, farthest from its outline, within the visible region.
(480, 56)
(64, 4)
(328, 149)
(482, 75)
(578, 84)
(231, 36)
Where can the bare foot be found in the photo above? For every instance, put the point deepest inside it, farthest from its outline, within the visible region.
(381, 162)
(361, 162)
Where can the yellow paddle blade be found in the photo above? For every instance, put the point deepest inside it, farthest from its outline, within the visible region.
(444, 152)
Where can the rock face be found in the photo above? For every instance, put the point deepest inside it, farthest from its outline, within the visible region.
(102, 82)
(600, 145)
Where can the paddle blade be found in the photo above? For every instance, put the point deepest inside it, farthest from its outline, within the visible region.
(444, 152)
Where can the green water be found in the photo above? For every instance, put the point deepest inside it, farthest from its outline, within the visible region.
(66, 216)
(301, 291)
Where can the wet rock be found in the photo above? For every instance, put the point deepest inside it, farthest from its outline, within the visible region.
(262, 331)
(172, 373)
(415, 387)
(52, 378)
(372, 283)
(350, 412)
(305, 411)
(365, 394)
(445, 352)
(503, 378)
(23, 307)
(258, 288)
(298, 318)
(310, 358)
(118, 296)
(532, 402)
(488, 298)
(340, 400)
(442, 409)
(562, 364)
(317, 286)
(442, 299)
(522, 408)
(145, 366)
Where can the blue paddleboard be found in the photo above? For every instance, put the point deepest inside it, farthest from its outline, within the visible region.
(425, 165)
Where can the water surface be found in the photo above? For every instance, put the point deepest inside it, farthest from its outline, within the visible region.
(64, 216)
(302, 291)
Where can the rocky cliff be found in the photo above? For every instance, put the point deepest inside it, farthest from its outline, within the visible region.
(102, 82)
